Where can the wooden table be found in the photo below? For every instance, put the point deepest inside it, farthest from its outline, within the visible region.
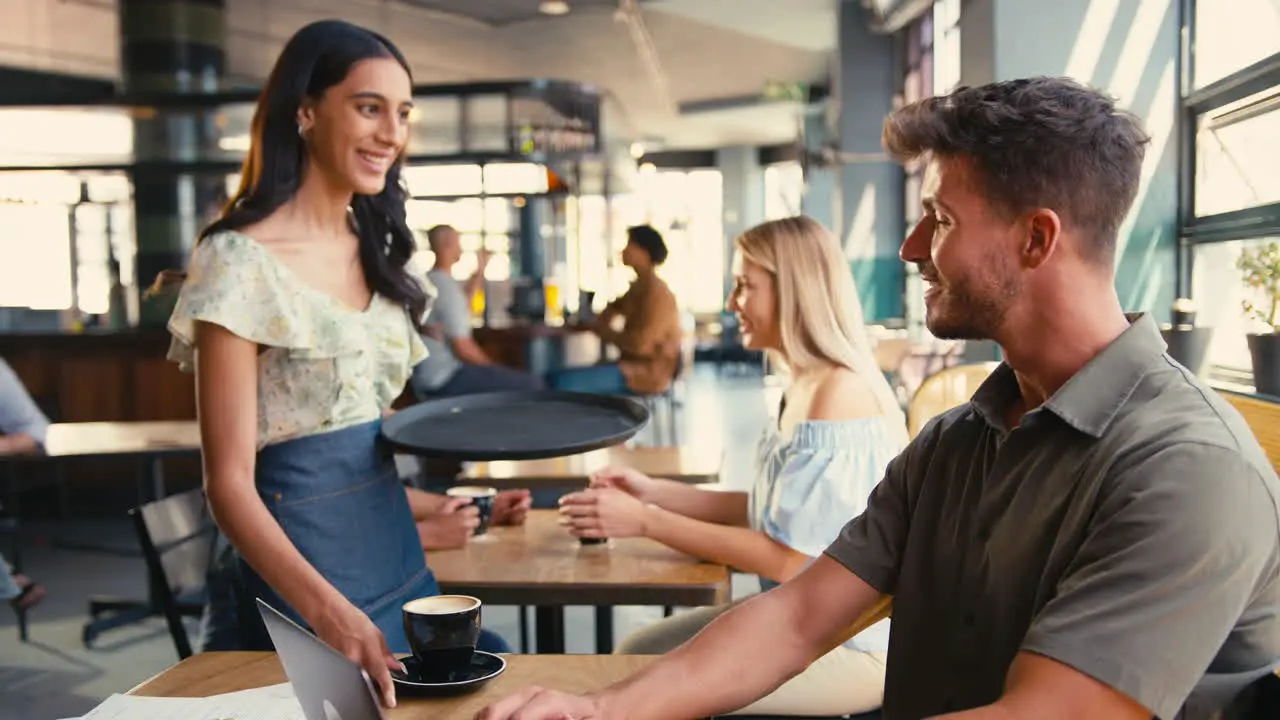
(216, 673)
(122, 438)
(150, 442)
(684, 464)
(541, 564)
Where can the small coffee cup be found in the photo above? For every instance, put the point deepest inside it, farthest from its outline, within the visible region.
(593, 540)
(442, 631)
(481, 498)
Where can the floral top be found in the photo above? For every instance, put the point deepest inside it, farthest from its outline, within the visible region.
(322, 365)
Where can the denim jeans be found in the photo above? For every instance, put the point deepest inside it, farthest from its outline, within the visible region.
(603, 379)
(472, 379)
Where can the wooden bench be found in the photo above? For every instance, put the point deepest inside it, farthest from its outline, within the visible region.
(1263, 417)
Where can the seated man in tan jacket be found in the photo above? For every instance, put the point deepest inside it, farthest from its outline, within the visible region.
(649, 340)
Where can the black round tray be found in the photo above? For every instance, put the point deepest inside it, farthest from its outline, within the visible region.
(523, 425)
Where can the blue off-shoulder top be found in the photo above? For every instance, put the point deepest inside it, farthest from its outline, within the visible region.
(809, 485)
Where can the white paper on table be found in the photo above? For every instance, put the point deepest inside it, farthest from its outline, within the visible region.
(274, 702)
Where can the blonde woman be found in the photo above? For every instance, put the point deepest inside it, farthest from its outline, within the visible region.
(838, 426)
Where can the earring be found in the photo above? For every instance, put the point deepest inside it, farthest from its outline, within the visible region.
(302, 133)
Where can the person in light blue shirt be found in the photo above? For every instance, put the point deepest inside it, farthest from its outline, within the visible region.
(23, 426)
(23, 430)
(838, 427)
(455, 363)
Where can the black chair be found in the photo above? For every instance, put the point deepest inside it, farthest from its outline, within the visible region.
(1259, 701)
(663, 408)
(177, 536)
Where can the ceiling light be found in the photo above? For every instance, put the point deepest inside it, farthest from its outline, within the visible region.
(553, 7)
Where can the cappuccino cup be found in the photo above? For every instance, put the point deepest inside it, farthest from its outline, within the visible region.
(481, 499)
(442, 631)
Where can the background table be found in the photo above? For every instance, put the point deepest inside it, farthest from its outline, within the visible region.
(541, 564)
(683, 464)
(150, 442)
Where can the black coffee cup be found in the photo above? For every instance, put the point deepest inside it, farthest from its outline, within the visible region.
(481, 498)
(442, 631)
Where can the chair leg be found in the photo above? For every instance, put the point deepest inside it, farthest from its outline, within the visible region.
(524, 629)
(673, 420)
(22, 624)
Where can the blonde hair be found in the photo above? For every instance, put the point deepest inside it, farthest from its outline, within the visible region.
(819, 315)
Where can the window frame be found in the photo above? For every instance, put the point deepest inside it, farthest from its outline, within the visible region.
(1258, 221)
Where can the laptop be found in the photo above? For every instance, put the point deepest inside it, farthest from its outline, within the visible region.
(328, 685)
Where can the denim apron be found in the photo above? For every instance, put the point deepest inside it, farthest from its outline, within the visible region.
(339, 499)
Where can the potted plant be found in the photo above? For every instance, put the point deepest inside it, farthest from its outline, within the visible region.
(1260, 270)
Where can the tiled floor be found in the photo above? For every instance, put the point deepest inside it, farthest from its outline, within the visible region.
(55, 676)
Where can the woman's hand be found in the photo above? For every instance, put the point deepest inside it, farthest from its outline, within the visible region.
(628, 480)
(346, 629)
(603, 513)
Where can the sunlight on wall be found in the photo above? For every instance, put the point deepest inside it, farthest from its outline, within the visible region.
(1139, 50)
(860, 243)
(1159, 121)
(1092, 38)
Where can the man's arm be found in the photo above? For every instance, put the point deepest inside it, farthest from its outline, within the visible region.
(423, 503)
(755, 647)
(469, 351)
(1041, 688)
(453, 312)
(619, 307)
(740, 657)
(476, 281)
(661, 318)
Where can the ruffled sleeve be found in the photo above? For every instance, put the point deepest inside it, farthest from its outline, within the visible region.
(417, 348)
(234, 282)
(824, 475)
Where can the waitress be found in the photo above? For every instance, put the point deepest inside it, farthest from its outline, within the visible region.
(300, 318)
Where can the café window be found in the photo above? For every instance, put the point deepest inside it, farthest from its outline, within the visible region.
(1232, 35)
(1231, 198)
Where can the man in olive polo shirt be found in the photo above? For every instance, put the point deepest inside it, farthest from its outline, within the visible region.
(1096, 535)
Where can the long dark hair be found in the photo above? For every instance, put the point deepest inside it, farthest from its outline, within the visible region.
(316, 58)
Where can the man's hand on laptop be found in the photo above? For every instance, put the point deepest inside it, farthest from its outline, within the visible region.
(349, 631)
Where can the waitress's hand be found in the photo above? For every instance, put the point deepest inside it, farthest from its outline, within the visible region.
(343, 627)
(603, 513)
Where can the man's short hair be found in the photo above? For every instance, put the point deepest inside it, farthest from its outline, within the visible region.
(1035, 142)
(437, 232)
(644, 236)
